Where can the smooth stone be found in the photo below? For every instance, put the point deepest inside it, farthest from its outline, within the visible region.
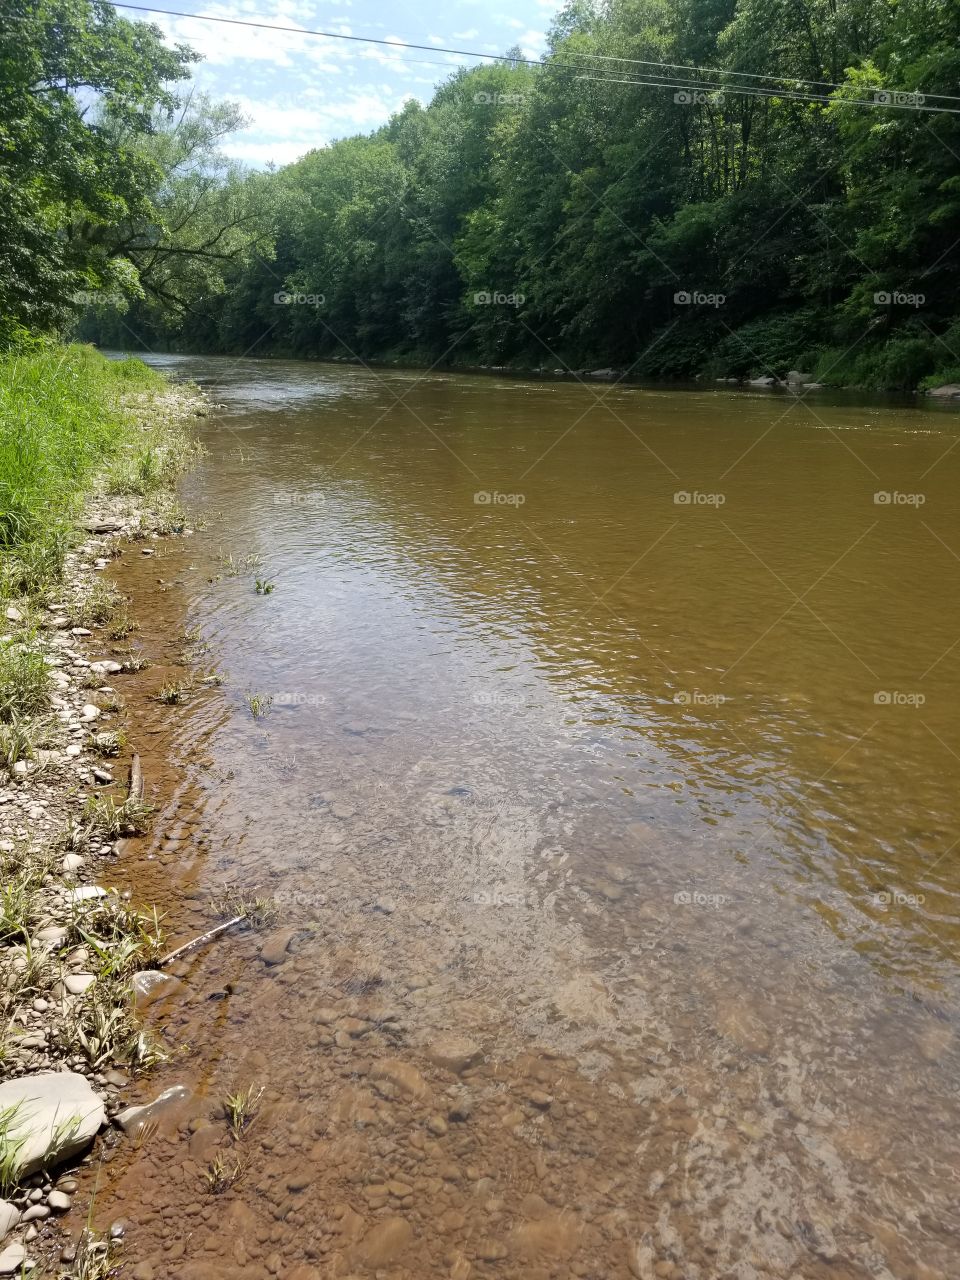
(73, 750)
(454, 1053)
(9, 1216)
(53, 935)
(132, 1119)
(14, 1259)
(59, 1202)
(106, 667)
(274, 949)
(89, 712)
(57, 1115)
(150, 984)
(385, 1242)
(36, 1213)
(402, 1075)
(14, 614)
(73, 862)
(84, 893)
(102, 775)
(77, 983)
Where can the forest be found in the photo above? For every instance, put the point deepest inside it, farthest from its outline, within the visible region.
(699, 189)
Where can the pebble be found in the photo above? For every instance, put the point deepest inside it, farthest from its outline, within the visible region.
(89, 712)
(59, 1202)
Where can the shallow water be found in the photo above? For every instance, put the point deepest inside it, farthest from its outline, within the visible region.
(612, 729)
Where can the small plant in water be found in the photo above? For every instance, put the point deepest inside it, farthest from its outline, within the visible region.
(259, 704)
(220, 1176)
(121, 626)
(234, 566)
(241, 1108)
(174, 692)
(264, 587)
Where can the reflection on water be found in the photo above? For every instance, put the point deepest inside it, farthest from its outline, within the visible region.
(615, 731)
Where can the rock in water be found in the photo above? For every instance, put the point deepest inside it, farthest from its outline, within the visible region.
(55, 1115)
(454, 1053)
(132, 1119)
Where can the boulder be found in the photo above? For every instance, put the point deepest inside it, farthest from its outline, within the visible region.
(56, 1115)
(762, 382)
(949, 391)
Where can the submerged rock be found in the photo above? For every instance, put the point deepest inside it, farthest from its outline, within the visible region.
(454, 1053)
(132, 1119)
(55, 1115)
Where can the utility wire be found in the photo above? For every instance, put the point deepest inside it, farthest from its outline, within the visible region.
(879, 101)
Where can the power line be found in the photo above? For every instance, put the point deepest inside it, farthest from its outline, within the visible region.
(884, 97)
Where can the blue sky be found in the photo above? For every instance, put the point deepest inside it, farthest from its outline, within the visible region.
(300, 92)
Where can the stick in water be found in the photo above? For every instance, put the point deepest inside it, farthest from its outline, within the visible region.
(199, 942)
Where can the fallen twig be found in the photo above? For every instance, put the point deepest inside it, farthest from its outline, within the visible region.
(136, 779)
(199, 942)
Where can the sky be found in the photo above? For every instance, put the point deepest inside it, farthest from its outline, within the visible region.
(300, 92)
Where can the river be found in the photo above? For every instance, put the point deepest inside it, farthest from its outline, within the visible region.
(608, 776)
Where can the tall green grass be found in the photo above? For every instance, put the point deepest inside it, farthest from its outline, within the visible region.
(62, 421)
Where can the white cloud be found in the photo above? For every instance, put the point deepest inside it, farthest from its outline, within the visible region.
(471, 34)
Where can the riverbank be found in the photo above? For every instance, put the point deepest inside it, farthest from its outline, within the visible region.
(89, 453)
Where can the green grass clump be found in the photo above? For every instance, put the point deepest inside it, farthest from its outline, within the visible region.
(61, 417)
(24, 684)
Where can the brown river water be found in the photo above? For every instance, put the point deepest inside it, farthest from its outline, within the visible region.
(610, 788)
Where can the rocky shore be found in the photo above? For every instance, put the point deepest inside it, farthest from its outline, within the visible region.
(73, 950)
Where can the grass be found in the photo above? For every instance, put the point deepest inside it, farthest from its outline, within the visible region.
(104, 1026)
(174, 692)
(62, 414)
(220, 1176)
(100, 603)
(19, 740)
(259, 704)
(10, 1149)
(18, 905)
(241, 1108)
(24, 684)
(121, 625)
(234, 566)
(102, 816)
(264, 587)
